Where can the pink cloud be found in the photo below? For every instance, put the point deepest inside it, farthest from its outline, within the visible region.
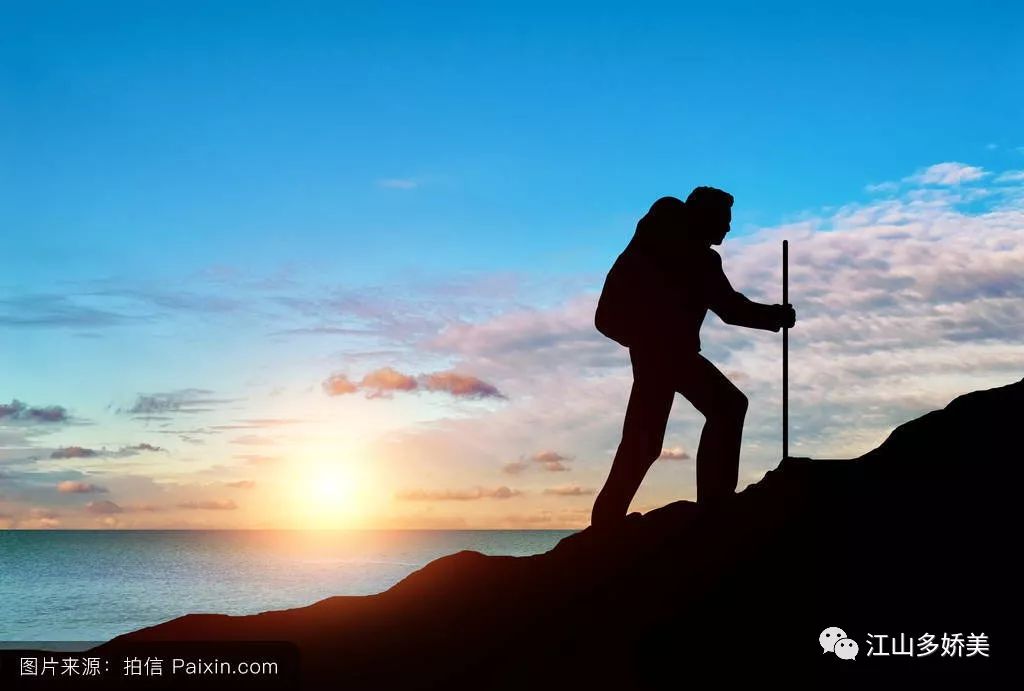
(569, 491)
(339, 385)
(209, 505)
(675, 453)
(383, 381)
(103, 507)
(148, 508)
(77, 487)
(142, 447)
(41, 513)
(74, 452)
(514, 467)
(551, 461)
(502, 492)
(460, 385)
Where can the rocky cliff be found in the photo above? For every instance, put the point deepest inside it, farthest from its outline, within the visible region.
(916, 537)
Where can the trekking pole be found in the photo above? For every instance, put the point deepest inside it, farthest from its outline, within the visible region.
(785, 353)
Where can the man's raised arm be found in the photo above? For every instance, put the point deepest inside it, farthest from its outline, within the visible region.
(735, 308)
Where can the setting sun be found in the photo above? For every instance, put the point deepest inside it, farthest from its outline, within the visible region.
(328, 494)
(333, 484)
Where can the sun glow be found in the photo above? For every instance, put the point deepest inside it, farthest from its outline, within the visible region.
(329, 494)
(332, 485)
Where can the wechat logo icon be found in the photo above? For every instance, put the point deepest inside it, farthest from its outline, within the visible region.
(834, 640)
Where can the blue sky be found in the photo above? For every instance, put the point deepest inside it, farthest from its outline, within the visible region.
(172, 134)
(214, 195)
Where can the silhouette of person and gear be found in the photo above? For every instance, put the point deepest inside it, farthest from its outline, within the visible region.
(654, 300)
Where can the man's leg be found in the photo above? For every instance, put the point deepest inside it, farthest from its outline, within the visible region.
(643, 432)
(724, 407)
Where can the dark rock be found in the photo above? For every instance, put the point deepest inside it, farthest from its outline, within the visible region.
(917, 536)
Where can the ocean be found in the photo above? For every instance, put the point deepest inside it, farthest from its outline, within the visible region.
(93, 585)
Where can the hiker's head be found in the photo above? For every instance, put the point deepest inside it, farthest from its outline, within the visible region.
(709, 213)
(661, 227)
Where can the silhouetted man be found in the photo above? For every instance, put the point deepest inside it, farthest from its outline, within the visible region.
(654, 301)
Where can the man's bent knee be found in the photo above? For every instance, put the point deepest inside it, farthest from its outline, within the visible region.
(741, 402)
(732, 405)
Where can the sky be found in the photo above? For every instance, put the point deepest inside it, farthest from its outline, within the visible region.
(318, 265)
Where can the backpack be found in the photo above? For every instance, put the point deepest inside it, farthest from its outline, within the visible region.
(619, 308)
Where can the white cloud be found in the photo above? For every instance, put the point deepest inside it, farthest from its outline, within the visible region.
(1011, 176)
(949, 173)
(878, 187)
